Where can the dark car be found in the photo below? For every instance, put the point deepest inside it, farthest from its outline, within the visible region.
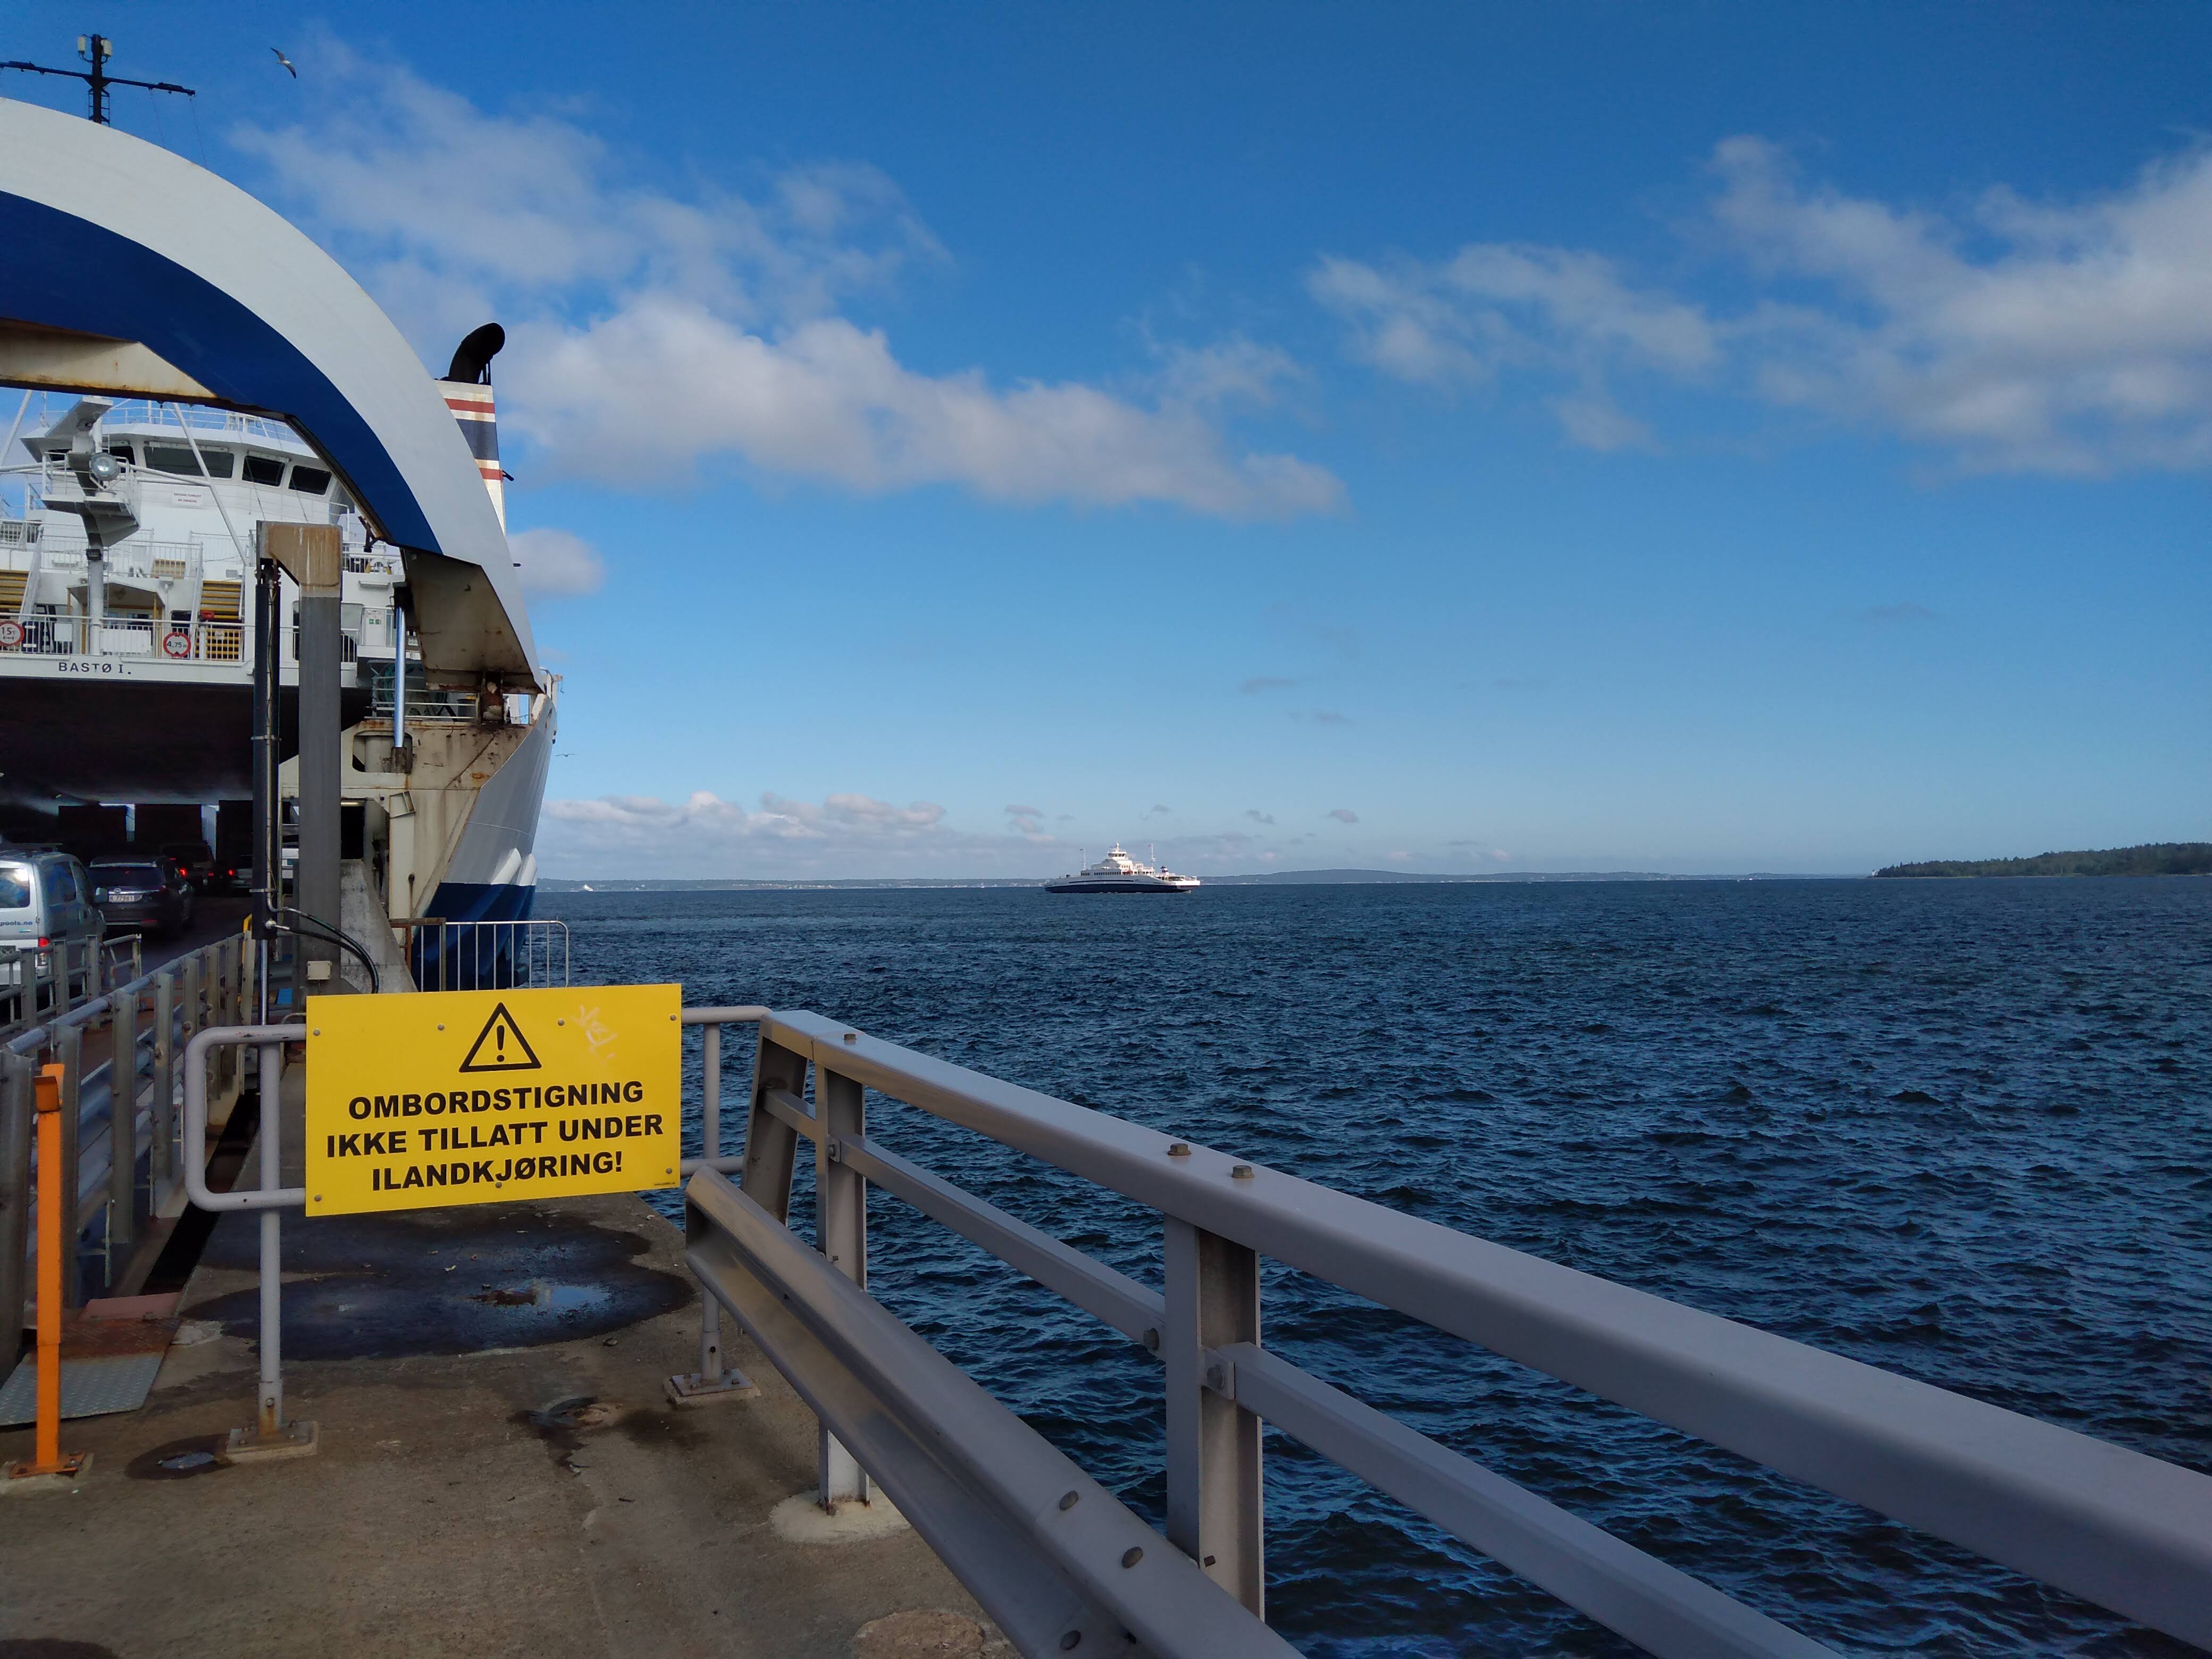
(197, 859)
(141, 895)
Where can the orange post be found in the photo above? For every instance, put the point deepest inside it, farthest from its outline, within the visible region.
(53, 1235)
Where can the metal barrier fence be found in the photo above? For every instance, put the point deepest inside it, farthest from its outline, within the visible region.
(271, 1431)
(1060, 1563)
(483, 956)
(120, 1131)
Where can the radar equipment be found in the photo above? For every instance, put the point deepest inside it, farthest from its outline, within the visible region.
(96, 49)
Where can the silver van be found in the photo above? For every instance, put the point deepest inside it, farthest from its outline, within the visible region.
(45, 901)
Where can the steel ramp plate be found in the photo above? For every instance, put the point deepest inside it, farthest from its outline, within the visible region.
(90, 1387)
(108, 1363)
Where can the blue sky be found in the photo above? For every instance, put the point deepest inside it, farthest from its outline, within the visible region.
(1711, 438)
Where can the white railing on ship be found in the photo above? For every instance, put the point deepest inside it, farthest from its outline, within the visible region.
(483, 956)
(209, 640)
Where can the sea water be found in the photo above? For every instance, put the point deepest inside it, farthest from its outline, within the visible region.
(1959, 1129)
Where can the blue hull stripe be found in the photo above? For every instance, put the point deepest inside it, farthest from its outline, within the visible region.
(71, 273)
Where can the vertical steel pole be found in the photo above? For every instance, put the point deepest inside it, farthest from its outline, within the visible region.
(57, 1220)
(68, 1049)
(1214, 1507)
(122, 1135)
(160, 1154)
(266, 809)
(710, 1146)
(271, 1422)
(15, 1114)
(48, 1458)
(841, 1201)
(713, 1380)
(319, 739)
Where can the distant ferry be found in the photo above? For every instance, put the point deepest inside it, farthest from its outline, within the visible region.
(1117, 872)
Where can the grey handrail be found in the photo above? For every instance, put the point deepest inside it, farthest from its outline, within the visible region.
(2128, 1532)
(270, 1041)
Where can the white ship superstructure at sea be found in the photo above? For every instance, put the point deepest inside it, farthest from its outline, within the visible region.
(1117, 872)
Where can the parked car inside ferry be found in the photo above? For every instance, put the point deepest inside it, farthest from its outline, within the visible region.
(140, 894)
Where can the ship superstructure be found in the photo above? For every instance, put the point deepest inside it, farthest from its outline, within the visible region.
(126, 564)
(1117, 872)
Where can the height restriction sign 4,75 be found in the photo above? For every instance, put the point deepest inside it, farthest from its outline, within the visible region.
(473, 1096)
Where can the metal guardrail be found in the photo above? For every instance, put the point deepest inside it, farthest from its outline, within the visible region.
(221, 1043)
(483, 956)
(1057, 1560)
(120, 1140)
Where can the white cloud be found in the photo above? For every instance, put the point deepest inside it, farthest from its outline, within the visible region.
(653, 328)
(2072, 337)
(783, 839)
(557, 562)
(1342, 815)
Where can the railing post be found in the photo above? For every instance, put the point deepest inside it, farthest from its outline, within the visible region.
(1214, 1507)
(771, 1145)
(16, 1111)
(270, 1435)
(271, 1419)
(191, 1023)
(69, 1050)
(713, 1380)
(231, 1066)
(122, 1134)
(841, 1226)
(160, 1152)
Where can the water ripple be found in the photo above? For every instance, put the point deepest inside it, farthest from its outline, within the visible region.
(1955, 1129)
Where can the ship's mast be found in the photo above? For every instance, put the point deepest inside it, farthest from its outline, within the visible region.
(96, 49)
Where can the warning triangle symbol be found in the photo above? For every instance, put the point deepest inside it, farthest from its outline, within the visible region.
(501, 1046)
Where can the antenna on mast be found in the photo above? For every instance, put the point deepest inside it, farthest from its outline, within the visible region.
(96, 49)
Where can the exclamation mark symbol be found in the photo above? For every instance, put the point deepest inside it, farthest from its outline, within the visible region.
(498, 1038)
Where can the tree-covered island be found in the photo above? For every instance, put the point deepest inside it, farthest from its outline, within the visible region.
(2165, 858)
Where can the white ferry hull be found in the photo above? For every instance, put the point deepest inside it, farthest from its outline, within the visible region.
(1121, 885)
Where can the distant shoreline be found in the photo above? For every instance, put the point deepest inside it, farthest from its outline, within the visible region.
(2165, 858)
(1271, 879)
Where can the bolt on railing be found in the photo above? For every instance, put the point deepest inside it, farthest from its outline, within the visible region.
(2127, 1532)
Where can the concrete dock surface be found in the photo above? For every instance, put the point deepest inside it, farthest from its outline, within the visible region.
(499, 1472)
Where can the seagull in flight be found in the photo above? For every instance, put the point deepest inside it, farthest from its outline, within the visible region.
(286, 62)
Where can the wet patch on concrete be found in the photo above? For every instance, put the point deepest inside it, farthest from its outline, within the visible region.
(664, 1429)
(562, 1425)
(444, 1281)
(51, 1647)
(179, 1460)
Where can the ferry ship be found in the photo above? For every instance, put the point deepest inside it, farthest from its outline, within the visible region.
(126, 561)
(1117, 872)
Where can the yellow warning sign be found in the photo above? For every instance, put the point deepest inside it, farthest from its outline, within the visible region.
(478, 1096)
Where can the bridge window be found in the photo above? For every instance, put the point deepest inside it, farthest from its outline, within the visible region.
(122, 452)
(176, 458)
(264, 469)
(310, 480)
